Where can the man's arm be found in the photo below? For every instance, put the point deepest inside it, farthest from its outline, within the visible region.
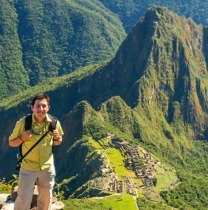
(20, 139)
(15, 142)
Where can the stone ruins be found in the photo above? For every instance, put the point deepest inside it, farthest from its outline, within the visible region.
(135, 159)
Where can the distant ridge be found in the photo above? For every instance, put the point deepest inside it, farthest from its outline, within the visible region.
(130, 11)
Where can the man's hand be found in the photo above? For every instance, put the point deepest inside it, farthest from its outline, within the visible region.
(56, 138)
(26, 135)
(55, 134)
(23, 137)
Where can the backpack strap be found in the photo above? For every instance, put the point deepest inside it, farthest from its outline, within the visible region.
(28, 122)
(53, 123)
(28, 125)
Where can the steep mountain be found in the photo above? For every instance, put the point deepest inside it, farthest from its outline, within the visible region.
(130, 11)
(43, 39)
(134, 120)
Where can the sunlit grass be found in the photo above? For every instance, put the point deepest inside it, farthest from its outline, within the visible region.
(115, 202)
(116, 160)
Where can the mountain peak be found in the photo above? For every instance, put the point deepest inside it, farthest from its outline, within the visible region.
(163, 61)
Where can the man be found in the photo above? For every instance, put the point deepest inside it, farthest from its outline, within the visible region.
(38, 166)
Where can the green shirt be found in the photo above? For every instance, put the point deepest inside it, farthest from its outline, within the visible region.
(41, 157)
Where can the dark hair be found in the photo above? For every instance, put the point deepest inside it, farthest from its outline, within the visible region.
(40, 96)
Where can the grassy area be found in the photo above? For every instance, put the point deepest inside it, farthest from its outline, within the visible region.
(166, 178)
(116, 160)
(5, 188)
(115, 202)
(117, 163)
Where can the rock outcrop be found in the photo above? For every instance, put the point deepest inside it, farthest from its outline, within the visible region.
(7, 201)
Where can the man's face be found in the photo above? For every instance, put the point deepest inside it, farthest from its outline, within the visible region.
(40, 108)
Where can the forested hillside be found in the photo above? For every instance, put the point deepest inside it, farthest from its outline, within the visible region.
(44, 39)
(130, 11)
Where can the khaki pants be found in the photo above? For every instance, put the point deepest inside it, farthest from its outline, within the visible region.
(44, 181)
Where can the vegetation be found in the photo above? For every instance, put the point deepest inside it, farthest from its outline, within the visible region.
(189, 193)
(144, 204)
(130, 11)
(5, 188)
(59, 37)
(192, 192)
(118, 202)
(13, 77)
(51, 84)
(40, 40)
(186, 167)
(154, 94)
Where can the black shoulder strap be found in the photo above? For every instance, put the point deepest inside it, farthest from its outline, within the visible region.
(53, 123)
(34, 145)
(28, 122)
(28, 125)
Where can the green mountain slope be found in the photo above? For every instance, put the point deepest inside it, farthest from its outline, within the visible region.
(134, 120)
(13, 76)
(43, 39)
